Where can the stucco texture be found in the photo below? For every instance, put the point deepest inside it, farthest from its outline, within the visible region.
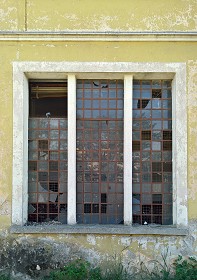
(101, 15)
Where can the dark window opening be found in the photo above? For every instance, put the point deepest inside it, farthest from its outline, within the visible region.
(156, 93)
(48, 99)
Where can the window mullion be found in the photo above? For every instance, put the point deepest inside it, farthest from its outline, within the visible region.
(71, 203)
(128, 96)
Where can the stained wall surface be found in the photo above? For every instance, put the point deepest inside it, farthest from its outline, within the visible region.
(39, 18)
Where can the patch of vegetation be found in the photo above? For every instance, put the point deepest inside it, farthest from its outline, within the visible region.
(76, 270)
(183, 269)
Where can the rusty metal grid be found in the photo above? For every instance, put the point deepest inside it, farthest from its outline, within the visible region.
(100, 151)
(152, 152)
(47, 165)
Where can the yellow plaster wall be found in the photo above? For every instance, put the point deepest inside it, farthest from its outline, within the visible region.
(99, 15)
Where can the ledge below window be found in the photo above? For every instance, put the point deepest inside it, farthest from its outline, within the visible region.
(100, 229)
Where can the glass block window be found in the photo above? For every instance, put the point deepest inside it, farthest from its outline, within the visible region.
(152, 152)
(100, 151)
(47, 157)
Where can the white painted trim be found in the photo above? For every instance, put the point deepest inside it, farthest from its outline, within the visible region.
(128, 101)
(71, 214)
(179, 130)
(152, 70)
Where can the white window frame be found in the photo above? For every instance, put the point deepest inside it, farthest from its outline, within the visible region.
(23, 71)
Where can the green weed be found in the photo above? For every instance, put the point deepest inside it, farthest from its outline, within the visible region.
(76, 270)
(185, 269)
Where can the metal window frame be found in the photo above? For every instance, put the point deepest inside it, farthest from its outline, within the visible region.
(22, 71)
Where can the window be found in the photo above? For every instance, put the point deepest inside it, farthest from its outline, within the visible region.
(100, 117)
(100, 151)
(47, 151)
(152, 152)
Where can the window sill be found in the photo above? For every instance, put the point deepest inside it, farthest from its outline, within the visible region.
(101, 229)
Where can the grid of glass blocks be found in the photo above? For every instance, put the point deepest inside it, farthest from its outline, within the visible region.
(152, 152)
(47, 165)
(100, 151)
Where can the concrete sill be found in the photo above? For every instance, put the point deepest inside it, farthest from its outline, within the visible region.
(100, 229)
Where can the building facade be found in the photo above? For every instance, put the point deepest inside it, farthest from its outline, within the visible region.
(98, 131)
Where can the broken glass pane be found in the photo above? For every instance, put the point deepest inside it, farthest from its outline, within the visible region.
(157, 177)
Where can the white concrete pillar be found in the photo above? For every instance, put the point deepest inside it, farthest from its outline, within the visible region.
(20, 148)
(128, 101)
(71, 203)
